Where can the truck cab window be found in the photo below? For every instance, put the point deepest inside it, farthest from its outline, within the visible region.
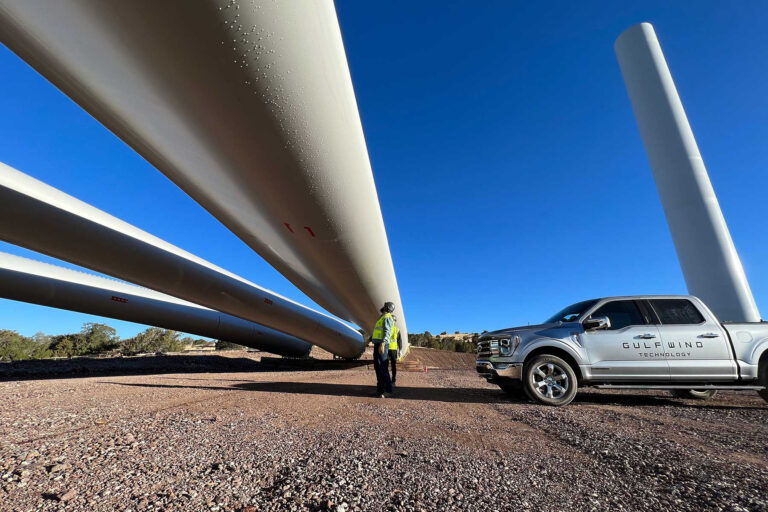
(676, 311)
(622, 313)
(572, 312)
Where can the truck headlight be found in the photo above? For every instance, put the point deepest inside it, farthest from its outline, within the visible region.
(508, 346)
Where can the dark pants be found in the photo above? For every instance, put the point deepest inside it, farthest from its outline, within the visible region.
(393, 364)
(383, 382)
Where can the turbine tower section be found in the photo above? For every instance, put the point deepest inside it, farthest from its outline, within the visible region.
(708, 257)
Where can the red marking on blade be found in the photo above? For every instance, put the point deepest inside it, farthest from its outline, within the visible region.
(288, 226)
(268, 301)
(119, 299)
(310, 231)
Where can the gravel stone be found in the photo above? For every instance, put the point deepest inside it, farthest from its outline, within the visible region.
(233, 440)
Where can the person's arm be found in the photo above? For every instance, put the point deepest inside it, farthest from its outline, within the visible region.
(388, 323)
(399, 341)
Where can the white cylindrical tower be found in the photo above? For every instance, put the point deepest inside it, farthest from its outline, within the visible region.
(708, 258)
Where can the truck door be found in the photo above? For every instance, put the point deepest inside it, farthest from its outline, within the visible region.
(695, 345)
(629, 350)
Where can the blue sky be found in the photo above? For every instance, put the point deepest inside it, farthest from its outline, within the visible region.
(512, 176)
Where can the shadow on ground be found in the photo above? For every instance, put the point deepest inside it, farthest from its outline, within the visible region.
(630, 399)
(435, 394)
(459, 395)
(81, 367)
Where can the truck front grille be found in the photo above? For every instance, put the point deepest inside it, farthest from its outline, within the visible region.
(487, 348)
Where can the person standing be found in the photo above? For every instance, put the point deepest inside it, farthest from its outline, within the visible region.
(382, 332)
(395, 345)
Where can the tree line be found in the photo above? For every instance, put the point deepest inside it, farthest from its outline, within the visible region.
(443, 341)
(93, 338)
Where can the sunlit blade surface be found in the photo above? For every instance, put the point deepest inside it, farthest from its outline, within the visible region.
(40, 283)
(44, 219)
(249, 108)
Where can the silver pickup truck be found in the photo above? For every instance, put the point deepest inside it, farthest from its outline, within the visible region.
(640, 342)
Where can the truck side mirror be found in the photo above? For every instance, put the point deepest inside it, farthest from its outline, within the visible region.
(597, 323)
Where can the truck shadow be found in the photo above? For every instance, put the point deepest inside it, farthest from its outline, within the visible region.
(639, 400)
(629, 399)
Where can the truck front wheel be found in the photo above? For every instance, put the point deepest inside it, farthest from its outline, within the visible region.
(696, 394)
(549, 380)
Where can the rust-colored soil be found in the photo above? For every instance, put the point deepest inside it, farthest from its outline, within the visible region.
(281, 440)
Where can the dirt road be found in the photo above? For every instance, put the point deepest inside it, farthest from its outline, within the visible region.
(317, 441)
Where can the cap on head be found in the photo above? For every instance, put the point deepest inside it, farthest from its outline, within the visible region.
(388, 307)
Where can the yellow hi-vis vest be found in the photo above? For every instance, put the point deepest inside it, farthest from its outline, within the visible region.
(378, 329)
(393, 338)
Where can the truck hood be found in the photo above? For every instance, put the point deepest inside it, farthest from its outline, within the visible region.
(545, 330)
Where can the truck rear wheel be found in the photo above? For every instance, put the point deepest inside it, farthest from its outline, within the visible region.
(762, 378)
(695, 394)
(549, 380)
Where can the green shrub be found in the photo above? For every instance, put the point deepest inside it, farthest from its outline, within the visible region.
(93, 338)
(15, 347)
(226, 345)
(153, 339)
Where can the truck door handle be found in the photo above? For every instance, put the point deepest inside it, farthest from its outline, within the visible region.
(709, 335)
(647, 336)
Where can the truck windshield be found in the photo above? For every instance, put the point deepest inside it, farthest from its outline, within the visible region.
(572, 312)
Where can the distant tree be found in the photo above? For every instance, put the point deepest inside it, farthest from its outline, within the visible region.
(455, 332)
(464, 346)
(189, 341)
(443, 333)
(99, 337)
(228, 345)
(15, 347)
(153, 339)
(448, 343)
(66, 345)
(93, 338)
(42, 338)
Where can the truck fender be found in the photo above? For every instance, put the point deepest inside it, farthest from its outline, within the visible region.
(757, 352)
(575, 353)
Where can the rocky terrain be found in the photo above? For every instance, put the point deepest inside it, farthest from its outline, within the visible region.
(235, 440)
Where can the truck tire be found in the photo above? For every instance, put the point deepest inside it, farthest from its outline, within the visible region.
(762, 378)
(695, 394)
(549, 380)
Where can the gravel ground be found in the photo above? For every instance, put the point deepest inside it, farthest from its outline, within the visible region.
(316, 441)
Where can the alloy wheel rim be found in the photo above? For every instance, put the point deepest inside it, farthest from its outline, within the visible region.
(550, 380)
